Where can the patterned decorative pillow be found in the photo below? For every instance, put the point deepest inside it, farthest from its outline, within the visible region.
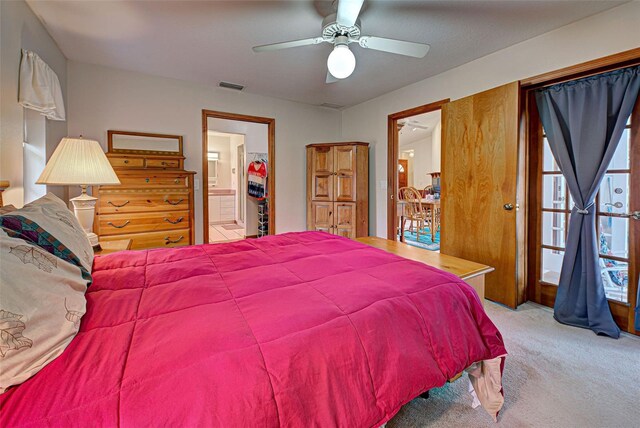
(40, 310)
(50, 214)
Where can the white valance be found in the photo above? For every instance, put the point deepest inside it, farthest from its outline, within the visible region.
(39, 87)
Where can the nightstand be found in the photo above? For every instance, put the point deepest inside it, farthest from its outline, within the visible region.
(108, 247)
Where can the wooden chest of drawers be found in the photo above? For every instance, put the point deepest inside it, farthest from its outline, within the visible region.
(153, 205)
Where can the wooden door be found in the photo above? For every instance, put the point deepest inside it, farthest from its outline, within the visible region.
(322, 216)
(479, 186)
(345, 219)
(322, 173)
(403, 177)
(345, 173)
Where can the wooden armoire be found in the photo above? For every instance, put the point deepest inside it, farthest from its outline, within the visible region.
(338, 188)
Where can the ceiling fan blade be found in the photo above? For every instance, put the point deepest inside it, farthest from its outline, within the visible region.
(331, 78)
(348, 11)
(286, 45)
(400, 47)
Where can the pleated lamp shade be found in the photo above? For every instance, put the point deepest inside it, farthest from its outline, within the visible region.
(78, 161)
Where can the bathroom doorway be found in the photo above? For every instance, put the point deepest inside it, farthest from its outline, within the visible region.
(239, 184)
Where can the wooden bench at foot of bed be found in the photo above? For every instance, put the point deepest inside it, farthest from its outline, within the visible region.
(471, 272)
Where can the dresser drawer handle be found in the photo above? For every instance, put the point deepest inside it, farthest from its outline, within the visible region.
(118, 206)
(119, 227)
(177, 180)
(173, 221)
(175, 241)
(174, 203)
(126, 161)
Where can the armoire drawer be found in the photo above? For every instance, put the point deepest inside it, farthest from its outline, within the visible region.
(160, 239)
(117, 224)
(154, 180)
(111, 203)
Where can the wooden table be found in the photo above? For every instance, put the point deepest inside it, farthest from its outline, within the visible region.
(433, 205)
(471, 272)
(108, 247)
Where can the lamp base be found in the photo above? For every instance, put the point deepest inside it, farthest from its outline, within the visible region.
(84, 207)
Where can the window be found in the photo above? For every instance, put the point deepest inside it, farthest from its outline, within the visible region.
(34, 154)
(612, 224)
(613, 227)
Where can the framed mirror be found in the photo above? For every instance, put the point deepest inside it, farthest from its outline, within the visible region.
(144, 143)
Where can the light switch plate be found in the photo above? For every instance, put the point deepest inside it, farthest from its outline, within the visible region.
(382, 184)
(196, 184)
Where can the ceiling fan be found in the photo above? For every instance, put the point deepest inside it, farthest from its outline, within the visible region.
(343, 28)
(414, 125)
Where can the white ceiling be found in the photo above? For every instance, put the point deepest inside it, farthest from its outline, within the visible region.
(209, 42)
(408, 136)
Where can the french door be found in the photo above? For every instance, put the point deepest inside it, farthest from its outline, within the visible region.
(617, 223)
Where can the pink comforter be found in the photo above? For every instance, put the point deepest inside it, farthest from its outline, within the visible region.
(300, 329)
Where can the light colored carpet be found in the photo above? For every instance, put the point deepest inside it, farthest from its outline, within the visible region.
(555, 376)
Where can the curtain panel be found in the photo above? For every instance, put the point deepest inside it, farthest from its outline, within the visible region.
(584, 120)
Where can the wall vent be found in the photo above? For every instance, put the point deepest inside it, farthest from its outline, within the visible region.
(333, 106)
(229, 85)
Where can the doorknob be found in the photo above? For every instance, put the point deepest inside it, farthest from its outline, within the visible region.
(508, 207)
(616, 205)
(634, 215)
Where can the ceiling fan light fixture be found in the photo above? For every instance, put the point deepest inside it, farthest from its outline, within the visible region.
(341, 62)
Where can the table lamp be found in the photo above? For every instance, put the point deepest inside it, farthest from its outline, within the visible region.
(77, 161)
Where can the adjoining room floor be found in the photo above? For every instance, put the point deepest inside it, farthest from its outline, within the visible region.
(554, 376)
(218, 233)
(425, 242)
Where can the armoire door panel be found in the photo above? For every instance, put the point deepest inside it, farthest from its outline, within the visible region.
(345, 188)
(322, 176)
(323, 188)
(323, 160)
(345, 159)
(322, 216)
(479, 180)
(345, 219)
(345, 168)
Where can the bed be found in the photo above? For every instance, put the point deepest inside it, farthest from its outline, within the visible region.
(296, 330)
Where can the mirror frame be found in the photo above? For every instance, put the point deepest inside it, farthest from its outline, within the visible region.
(111, 133)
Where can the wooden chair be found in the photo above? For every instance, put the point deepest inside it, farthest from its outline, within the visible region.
(413, 210)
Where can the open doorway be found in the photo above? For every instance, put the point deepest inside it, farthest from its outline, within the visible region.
(413, 207)
(239, 171)
(225, 156)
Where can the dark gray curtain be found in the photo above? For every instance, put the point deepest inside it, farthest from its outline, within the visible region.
(584, 120)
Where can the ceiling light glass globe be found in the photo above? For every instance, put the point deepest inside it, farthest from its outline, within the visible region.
(341, 62)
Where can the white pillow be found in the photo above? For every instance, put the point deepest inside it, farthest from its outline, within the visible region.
(52, 214)
(40, 309)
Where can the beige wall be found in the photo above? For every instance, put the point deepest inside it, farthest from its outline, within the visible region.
(600, 35)
(21, 29)
(101, 98)
(223, 146)
(421, 162)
